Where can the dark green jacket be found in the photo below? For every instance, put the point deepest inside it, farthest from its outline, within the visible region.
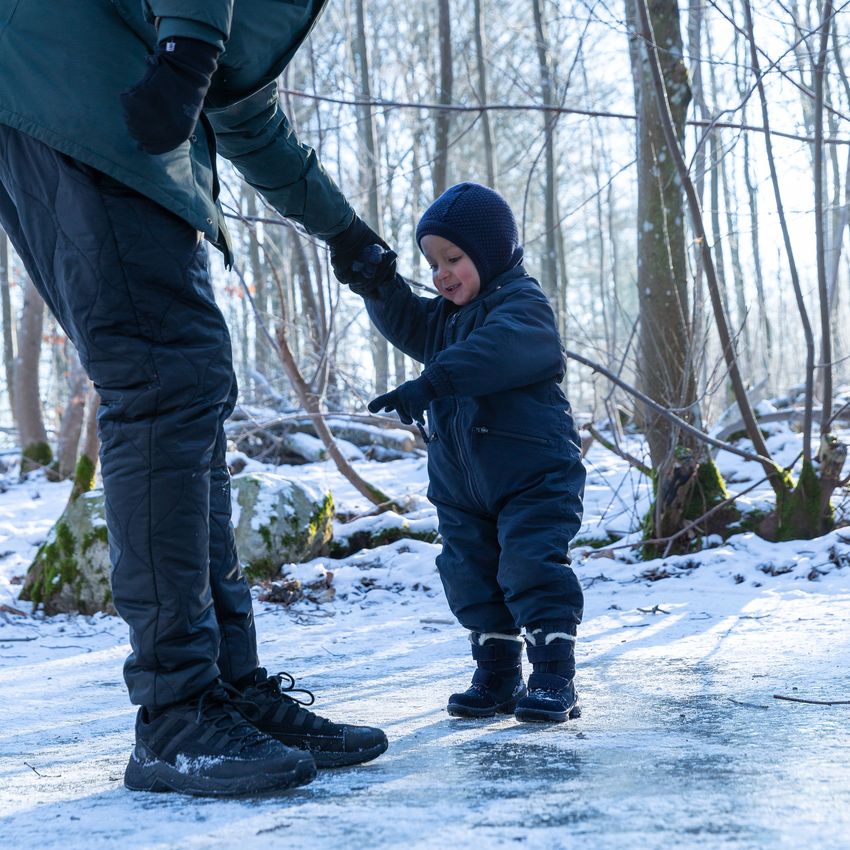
(64, 64)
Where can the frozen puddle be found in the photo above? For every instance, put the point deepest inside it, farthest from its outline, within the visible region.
(681, 743)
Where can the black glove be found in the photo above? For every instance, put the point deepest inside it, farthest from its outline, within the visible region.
(161, 110)
(410, 400)
(374, 265)
(348, 248)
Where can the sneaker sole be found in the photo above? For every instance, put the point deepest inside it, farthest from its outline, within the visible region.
(159, 777)
(332, 759)
(456, 710)
(540, 715)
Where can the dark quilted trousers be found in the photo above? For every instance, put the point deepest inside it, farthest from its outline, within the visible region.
(130, 285)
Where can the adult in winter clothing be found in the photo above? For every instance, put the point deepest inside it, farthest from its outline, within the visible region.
(110, 115)
(503, 454)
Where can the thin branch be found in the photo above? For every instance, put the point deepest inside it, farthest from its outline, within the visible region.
(378, 103)
(615, 449)
(813, 701)
(672, 417)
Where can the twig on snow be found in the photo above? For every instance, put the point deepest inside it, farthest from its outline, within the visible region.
(813, 701)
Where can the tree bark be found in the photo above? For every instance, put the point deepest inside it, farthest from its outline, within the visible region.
(8, 324)
(71, 424)
(29, 419)
(442, 120)
(666, 370)
(369, 176)
(481, 67)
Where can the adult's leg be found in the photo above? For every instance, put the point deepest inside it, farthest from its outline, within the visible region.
(233, 605)
(129, 283)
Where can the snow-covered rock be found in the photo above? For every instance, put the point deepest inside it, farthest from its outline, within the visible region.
(277, 520)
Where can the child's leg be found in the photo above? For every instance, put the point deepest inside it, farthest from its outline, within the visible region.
(543, 592)
(468, 568)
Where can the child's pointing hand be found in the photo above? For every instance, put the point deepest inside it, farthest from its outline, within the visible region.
(410, 400)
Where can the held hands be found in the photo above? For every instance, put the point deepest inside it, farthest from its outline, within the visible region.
(161, 110)
(410, 400)
(360, 258)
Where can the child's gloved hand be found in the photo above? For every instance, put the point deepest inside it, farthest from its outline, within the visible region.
(161, 110)
(410, 400)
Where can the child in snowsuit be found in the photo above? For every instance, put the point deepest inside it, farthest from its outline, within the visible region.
(503, 455)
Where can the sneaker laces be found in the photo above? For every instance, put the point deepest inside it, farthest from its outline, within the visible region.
(283, 685)
(227, 710)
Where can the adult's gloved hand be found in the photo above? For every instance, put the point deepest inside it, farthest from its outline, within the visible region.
(348, 247)
(161, 110)
(410, 400)
(374, 265)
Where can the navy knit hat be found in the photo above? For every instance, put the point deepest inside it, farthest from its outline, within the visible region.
(479, 221)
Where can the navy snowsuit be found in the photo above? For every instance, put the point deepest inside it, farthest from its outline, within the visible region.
(503, 460)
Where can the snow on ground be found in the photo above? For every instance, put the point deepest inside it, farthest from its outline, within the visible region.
(681, 743)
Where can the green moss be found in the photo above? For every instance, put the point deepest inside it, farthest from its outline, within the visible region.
(799, 513)
(266, 534)
(97, 535)
(83, 476)
(261, 569)
(707, 491)
(56, 566)
(371, 540)
(36, 456)
(594, 542)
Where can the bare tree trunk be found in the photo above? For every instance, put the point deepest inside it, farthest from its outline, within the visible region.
(665, 333)
(369, 176)
(29, 419)
(8, 324)
(71, 425)
(823, 291)
(550, 218)
(442, 120)
(262, 350)
(486, 130)
(786, 237)
(668, 126)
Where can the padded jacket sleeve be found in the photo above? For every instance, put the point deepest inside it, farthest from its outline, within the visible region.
(207, 20)
(517, 344)
(255, 135)
(402, 317)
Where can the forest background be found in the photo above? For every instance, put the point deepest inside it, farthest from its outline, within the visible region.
(681, 175)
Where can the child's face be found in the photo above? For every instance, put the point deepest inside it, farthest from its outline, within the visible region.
(455, 275)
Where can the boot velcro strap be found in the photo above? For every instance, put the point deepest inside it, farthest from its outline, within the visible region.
(547, 682)
(550, 652)
(497, 650)
(486, 678)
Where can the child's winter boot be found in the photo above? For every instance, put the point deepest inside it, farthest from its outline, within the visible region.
(497, 683)
(552, 696)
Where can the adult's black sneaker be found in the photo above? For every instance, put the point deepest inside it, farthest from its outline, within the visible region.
(286, 719)
(207, 747)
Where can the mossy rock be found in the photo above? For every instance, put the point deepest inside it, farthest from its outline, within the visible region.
(278, 520)
(70, 572)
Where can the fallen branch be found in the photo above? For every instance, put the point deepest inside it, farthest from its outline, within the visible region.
(813, 701)
(621, 453)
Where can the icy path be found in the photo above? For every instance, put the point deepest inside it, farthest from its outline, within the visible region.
(681, 743)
